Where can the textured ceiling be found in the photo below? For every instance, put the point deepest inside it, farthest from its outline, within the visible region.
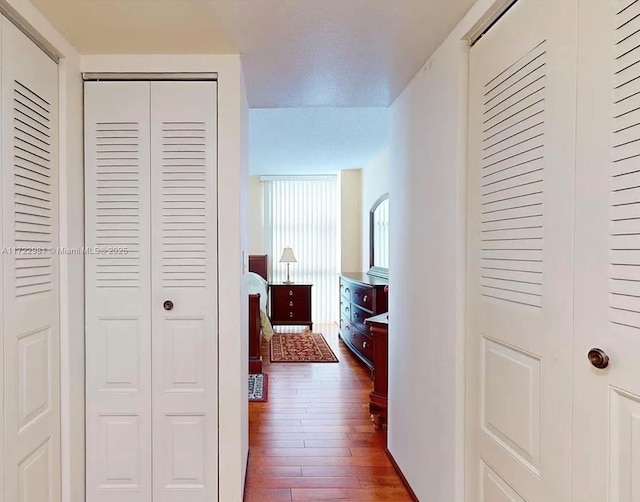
(295, 52)
(315, 140)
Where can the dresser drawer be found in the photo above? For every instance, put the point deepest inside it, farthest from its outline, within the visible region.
(359, 341)
(358, 316)
(291, 303)
(291, 311)
(345, 309)
(362, 296)
(345, 289)
(286, 293)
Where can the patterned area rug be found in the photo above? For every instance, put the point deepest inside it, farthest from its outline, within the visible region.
(304, 347)
(258, 387)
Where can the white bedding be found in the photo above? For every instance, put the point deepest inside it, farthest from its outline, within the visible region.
(256, 284)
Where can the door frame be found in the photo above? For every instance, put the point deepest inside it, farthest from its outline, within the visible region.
(232, 304)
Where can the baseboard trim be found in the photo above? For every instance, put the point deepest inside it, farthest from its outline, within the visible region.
(246, 475)
(406, 484)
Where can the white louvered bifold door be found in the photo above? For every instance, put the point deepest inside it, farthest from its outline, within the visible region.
(30, 268)
(151, 206)
(118, 292)
(184, 257)
(520, 275)
(607, 401)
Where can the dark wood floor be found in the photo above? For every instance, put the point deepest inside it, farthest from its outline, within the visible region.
(314, 440)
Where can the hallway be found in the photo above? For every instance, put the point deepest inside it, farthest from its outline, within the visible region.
(313, 440)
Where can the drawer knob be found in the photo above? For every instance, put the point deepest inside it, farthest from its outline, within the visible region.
(356, 315)
(365, 298)
(290, 314)
(290, 293)
(346, 290)
(364, 345)
(168, 305)
(290, 304)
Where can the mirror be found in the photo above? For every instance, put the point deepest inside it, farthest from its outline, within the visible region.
(379, 238)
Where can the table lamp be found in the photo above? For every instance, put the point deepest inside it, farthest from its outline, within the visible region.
(288, 257)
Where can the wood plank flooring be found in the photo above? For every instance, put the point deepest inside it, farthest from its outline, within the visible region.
(313, 440)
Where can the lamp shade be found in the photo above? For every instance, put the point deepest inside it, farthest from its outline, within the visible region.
(288, 256)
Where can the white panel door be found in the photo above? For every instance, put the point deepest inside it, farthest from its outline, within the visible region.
(607, 401)
(520, 276)
(30, 269)
(118, 292)
(184, 258)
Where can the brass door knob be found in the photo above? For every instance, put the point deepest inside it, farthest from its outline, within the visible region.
(598, 358)
(168, 305)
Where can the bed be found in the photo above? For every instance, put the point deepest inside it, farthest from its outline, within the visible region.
(259, 324)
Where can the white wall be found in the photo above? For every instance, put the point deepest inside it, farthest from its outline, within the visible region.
(351, 220)
(244, 303)
(232, 210)
(375, 182)
(427, 290)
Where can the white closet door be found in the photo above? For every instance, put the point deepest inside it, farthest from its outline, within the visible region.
(607, 401)
(520, 277)
(118, 292)
(31, 294)
(184, 257)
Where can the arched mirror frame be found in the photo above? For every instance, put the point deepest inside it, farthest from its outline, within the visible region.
(374, 268)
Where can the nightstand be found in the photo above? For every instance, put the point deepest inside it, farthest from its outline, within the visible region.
(291, 304)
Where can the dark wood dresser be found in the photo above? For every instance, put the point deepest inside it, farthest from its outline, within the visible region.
(379, 329)
(291, 304)
(361, 297)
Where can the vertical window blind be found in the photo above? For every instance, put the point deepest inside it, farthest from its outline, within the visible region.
(303, 214)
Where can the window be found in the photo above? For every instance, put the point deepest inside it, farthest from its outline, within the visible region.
(302, 213)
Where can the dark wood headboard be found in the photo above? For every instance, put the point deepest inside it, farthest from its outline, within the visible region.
(258, 264)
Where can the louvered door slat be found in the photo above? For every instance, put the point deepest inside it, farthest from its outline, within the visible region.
(512, 191)
(624, 284)
(118, 189)
(183, 198)
(33, 192)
